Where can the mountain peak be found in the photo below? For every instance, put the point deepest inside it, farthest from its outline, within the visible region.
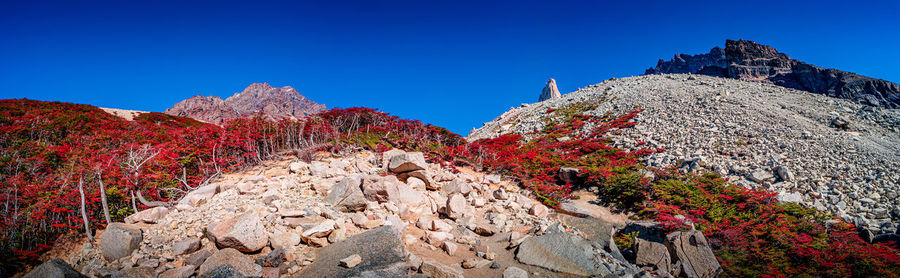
(284, 102)
(751, 61)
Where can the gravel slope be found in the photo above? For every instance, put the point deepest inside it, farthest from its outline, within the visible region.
(751, 132)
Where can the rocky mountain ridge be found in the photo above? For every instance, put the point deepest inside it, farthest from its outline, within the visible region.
(825, 152)
(748, 60)
(284, 102)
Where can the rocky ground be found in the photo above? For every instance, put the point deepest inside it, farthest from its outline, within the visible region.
(828, 153)
(372, 215)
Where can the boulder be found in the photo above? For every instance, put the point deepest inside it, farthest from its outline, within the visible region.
(351, 261)
(408, 195)
(569, 175)
(197, 258)
(55, 267)
(760, 176)
(653, 254)
(785, 197)
(223, 271)
(186, 246)
(299, 167)
(493, 178)
(149, 216)
(200, 195)
(347, 196)
(322, 229)
(457, 185)
(784, 174)
(692, 249)
(437, 270)
(284, 240)
(136, 272)
(514, 272)
(179, 272)
(561, 252)
(273, 259)
(230, 256)
(243, 232)
(500, 194)
(456, 206)
(407, 162)
(381, 189)
(386, 158)
(381, 252)
(270, 196)
(119, 240)
(594, 229)
(450, 248)
(539, 210)
(415, 177)
(888, 239)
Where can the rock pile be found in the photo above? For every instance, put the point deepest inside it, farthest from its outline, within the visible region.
(347, 217)
(827, 153)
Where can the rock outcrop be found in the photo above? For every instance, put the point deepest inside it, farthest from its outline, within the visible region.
(284, 102)
(550, 91)
(747, 60)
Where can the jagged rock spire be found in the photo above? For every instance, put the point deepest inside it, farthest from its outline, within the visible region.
(550, 91)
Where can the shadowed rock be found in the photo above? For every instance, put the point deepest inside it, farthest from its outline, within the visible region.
(562, 252)
(55, 268)
(381, 250)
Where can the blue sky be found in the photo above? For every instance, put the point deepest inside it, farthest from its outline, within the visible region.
(451, 63)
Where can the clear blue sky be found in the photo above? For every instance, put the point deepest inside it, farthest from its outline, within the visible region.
(451, 63)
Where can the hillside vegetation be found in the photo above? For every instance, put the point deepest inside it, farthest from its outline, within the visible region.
(51, 152)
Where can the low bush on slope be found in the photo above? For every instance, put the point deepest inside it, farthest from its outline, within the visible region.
(50, 150)
(751, 233)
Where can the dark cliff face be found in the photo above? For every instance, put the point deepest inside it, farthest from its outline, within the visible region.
(747, 60)
(684, 63)
(274, 103)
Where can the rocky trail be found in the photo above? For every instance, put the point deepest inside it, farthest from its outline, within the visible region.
(371, 215)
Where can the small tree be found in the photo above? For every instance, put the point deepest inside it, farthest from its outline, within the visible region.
(135, 158)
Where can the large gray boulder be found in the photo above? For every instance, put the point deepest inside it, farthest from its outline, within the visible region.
(652, 254)
(381, 250)
(692, 249)
(54, 268)
(346, 195)
(406, 162)
(243, 232)
(119, 240)
(562, 252)
(230, 256)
